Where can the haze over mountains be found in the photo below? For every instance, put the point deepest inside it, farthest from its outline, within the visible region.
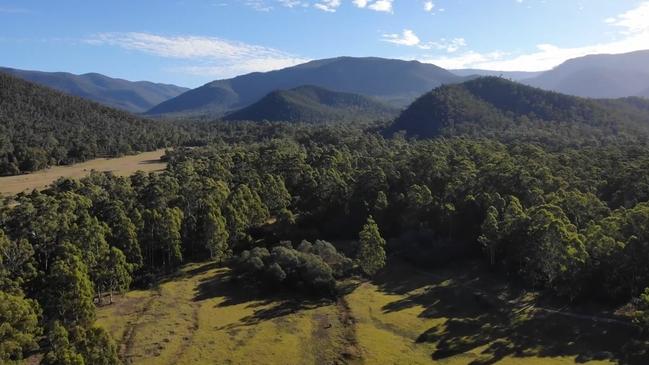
(132, 96)
(312, 104)
(393, 81)
(599, 76)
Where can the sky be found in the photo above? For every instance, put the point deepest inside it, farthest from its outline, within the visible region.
(192, 42)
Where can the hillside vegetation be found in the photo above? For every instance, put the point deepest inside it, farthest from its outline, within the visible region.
(311, 104)
(132, 96)
(496, 107)
(40, 127)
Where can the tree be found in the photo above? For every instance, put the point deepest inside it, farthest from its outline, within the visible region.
(17, 264)
(371, 254)
(61, 352)
(95, 346)
(490, 235)
(68, 295)
(216, 234)
(123, 233)
(115, 273)
(19, 329)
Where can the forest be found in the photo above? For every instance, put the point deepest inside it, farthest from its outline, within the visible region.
(569, 220)
(553, 206)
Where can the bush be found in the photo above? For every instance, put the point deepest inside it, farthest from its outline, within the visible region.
(312, 267)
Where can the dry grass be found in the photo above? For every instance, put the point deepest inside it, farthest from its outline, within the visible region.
(124, 166)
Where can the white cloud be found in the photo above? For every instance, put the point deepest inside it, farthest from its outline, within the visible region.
(633, 36)
(429, 6)
(376, 5)
(633, 21)
(328, 5)
(209, 55)
(408, 38)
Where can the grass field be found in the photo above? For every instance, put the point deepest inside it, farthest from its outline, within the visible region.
(405, 316)
(123, 166)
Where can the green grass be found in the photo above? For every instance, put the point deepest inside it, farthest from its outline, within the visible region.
(405, 316)
(201, 318)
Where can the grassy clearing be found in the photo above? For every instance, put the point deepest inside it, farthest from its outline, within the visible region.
(123, 166)
(406, 316)
(201, 317)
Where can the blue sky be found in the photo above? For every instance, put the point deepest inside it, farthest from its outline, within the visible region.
(191, 42)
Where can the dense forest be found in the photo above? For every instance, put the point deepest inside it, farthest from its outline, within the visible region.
(40, 127)
(568, 220)
(557, 207)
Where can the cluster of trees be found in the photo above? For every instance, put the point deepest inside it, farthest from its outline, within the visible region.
(310, 267)
(571, 217)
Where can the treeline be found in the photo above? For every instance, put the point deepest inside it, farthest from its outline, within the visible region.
(268, 200)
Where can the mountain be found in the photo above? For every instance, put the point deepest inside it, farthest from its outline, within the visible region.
(491, 106)
(313, 104)
(40, 127)
(135, 97)
(599, 76)
(394, 81)
(513, 75)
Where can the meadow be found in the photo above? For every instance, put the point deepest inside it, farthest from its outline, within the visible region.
(405, 316)
(122, 166)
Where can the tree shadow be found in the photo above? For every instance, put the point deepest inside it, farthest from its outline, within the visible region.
(267, 303)
(481, 315)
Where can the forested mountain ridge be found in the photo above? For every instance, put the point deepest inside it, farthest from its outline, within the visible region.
(496, 106)
(598, 76)
(312, 104)
(394, 81)
(132, 96)
(41, 127)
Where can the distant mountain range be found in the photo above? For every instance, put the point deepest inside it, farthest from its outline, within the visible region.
(599, 76)
(497, 105)
(392, 81)
(314, 104)
(132, 96)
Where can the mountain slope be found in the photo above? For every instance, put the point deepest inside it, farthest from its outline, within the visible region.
(313, 104)
(514, 75)
(40, 127)
(136, 97)
(599, 76)
(491, 105)
(394, 81)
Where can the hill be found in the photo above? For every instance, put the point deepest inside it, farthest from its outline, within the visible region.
(40, 127)
(394, 81)
(514, 75)
(132, 96)
(492, 105)
(313, 104)
(599, 76)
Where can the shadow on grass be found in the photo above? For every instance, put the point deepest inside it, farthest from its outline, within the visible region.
(267, 304)
(486, 317)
